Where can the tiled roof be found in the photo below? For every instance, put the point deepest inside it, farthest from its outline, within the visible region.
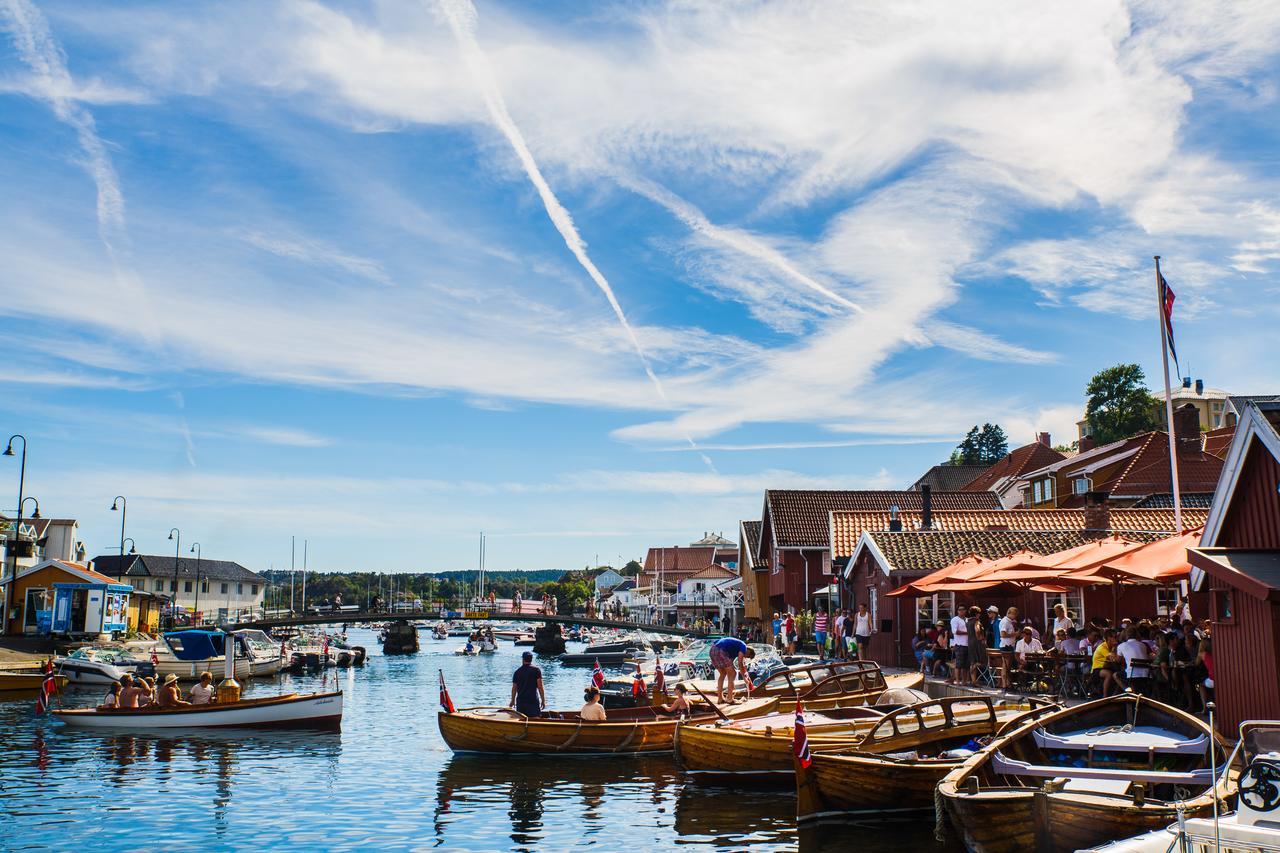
(846, 527)
(1164, 500)
(922, 551)
(1017, 462)
(1237, 402)
(1218, 441)
(150, 565)
(801, 518)
(751, 534)
(949, 478)
(678, 559)
(1148, 471)
(712, 572)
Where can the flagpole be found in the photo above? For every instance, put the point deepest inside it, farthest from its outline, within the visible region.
(1168, 402)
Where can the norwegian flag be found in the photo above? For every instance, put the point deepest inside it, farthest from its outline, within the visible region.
(155, 658)
(1167, 298)
(47, 688)
(283, 654)
(445, 702)
(324, 651)
(659, 677)
(637, 685)
(800, 741)
(597, 674)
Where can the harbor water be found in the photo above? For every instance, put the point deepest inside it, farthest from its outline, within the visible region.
(385, 782)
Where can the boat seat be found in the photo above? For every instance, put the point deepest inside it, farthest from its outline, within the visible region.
(1002, 764)
(1133, 741)
(1118, 787)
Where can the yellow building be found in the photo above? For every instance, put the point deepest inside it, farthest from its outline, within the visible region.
(1210, 404)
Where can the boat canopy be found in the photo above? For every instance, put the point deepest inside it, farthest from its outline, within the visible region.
(195, 645)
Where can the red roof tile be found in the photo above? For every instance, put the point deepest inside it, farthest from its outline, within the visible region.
(801, 518)
(1017, 462)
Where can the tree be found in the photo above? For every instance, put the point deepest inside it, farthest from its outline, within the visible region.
(631, 569)
(984, 445)
(1119, 404)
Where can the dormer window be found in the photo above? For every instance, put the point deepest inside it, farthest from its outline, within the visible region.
(1080, 485)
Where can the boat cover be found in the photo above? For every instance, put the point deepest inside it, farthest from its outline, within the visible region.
(1006, 766)
(1127, 739)
(196, 645)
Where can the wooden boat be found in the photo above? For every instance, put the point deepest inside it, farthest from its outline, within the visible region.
(310, 711)
(18, 685)
(829, 684)
(895, 767)
(627, 731)
(1080, 776)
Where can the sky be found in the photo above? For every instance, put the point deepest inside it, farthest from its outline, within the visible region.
(591, 277)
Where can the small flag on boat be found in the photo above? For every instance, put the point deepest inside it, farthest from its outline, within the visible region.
(155, 658)
(47, 688)
(445, 702)
(1167, 298)
(637, 685)
(597, 674)
(800, 743)
(659, 677)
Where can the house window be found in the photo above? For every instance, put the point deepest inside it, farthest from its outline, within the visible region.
(1072, 600)
(1039, 492)
(934, 608)
(1224, 611)
(254, 589)
(173, 586)
(239, 589)
(204, 585)
(1048, 490)
(186, 586)
(873, 604)
(224, 589)
(1166, 600)
(1080, 485)
(158, 586)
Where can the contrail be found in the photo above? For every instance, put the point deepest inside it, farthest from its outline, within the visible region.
(463, 18)
(735, 239)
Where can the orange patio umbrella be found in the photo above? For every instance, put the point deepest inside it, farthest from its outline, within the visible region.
(1158, 563)
(959, 569)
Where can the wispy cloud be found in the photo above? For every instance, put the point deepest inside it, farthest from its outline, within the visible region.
(316, 253)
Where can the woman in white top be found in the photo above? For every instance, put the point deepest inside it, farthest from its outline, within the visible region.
(202, 693)
(593, 711)
(1061, 621)
(112, 699)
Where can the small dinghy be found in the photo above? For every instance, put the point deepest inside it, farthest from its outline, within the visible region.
(1085, 775)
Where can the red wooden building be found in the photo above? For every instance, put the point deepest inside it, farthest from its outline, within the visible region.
(1238, 562)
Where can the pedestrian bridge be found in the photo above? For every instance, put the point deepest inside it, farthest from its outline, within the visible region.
(365, 616)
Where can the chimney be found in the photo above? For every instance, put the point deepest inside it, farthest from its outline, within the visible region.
(1199, 387)
(926, 507)
(1186, 429)
(895, 521)
(1097, 514)
(1043, 438)
(1086, 443)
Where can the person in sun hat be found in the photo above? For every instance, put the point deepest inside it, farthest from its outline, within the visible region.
(170, 696)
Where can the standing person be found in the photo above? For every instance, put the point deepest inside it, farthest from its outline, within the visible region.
(528, 696)
(862, 629)
(960, 648)
(1061, 621)
(977, 644)
(850, 640)
(820, 633)
(1182, 613)
(837, 634)
(789, 629)
(727, 655)
(778, 641)
(515, 602)
(1009, 631)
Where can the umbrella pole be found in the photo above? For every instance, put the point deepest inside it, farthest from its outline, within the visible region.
(1115, 603)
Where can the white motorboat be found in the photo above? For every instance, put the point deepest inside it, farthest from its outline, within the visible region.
(440, 631)
(100, 666)
(188, 653)
(262, 653)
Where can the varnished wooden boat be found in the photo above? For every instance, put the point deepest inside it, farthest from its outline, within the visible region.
(1081, 776)
(894, 768)
(825, 685)
(20, 685)
(290, 711)
(627, 731)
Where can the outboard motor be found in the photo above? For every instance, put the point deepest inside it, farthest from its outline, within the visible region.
(1259, 799)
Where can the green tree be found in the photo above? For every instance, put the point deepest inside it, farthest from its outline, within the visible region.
(1119, 404)
(983, 445)
(631, 569)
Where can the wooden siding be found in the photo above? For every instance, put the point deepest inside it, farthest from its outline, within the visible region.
(1253, 520)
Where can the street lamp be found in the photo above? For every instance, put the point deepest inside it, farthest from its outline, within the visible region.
(22, 478)
(195, 608)
(133, 546)
(176, 535)
(124, 511)
(35, 516)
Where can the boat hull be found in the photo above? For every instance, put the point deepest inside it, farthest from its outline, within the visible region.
(15, 685)
(315, 711)
(265, 667)
(501, 731)
(189, 670)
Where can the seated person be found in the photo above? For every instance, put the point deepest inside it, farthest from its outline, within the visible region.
(592, 711)
(1027, 645)
(1136, 655)
(147, 692)
(1107, 664)
(202, 693)
(112, 699)
(679, 703)
(129, 690)
(170, 696)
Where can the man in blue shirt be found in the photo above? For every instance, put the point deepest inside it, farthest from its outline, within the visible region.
(527, 694)
(725, 653)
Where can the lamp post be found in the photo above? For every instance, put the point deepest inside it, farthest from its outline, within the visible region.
(124, 512)
(176, 535)
(195, 608)
(17, 527)
(133, 546)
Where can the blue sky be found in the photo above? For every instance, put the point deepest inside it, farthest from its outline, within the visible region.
(306, 268)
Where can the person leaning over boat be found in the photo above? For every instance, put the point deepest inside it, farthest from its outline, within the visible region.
(679, 703)
(726, 653)
(592, 711)
(170, 696)
(202, 692)
(527, 693)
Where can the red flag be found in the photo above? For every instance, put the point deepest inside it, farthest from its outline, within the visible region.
(445, 702)
(637, 685)
(47, 688)
(597, 674)
(155, 658)
(1167, 298)
(800, 741)
(659, 677)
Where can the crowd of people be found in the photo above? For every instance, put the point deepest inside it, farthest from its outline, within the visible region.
(136, 691)
(1168, 657)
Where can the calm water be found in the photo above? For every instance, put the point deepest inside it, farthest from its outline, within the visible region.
(387, 781)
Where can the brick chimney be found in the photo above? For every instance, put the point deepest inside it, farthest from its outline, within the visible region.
(1086, 443)
(1097, 514)
(1043, 438)
(926, 507)
(1186, 429)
